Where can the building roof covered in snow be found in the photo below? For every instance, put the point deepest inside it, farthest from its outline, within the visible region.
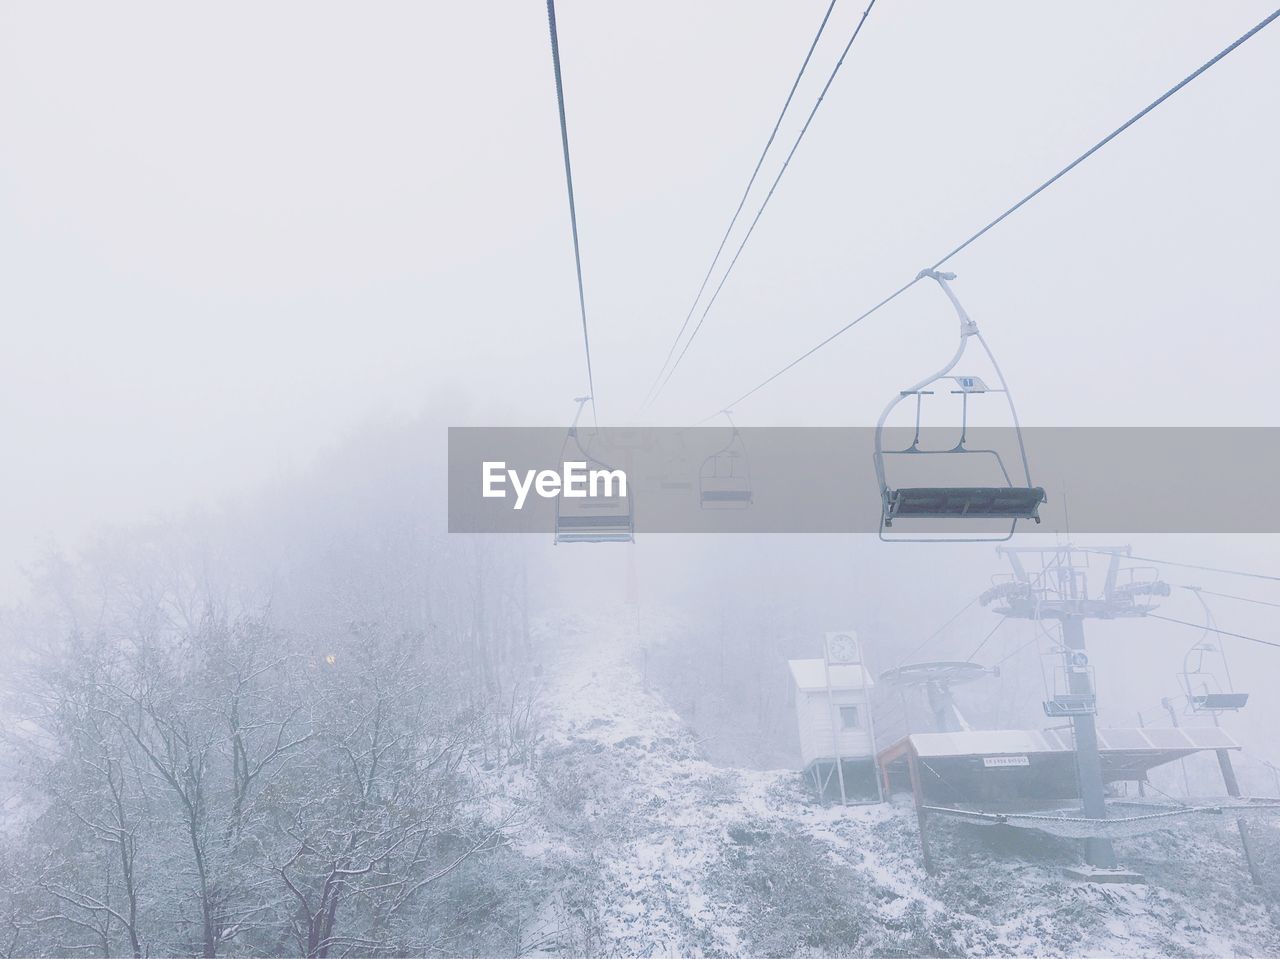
(994, 742)
(811, 674)
(1017, 770)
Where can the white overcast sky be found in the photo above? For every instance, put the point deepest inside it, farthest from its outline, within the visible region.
(231, 234)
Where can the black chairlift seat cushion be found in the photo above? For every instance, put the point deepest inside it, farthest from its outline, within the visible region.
(965, 502)
(1220, 701)
(726, 495)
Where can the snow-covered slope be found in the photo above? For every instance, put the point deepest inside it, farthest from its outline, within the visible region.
(652, 850)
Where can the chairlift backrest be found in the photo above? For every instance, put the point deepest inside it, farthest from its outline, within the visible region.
(724, 479)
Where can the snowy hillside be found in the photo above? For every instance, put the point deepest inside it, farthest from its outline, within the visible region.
(653, 850)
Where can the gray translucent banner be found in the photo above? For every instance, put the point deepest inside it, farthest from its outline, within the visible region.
(824, 480)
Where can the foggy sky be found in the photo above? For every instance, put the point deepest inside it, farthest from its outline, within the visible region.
(232, 235)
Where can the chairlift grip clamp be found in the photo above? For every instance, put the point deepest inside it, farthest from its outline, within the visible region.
(967, 325)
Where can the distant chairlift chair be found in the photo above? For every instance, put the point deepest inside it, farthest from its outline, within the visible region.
(592, 519)
(1073, 688)
(1010, 501)
(1206, 692)
(724, 479)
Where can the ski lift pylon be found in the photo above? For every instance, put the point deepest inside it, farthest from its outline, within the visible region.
(724, 479)
(592, 518)
(961, 503)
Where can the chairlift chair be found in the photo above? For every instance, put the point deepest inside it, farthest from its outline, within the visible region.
(1011, 501)
(724, 479)
(592, 519)
(1206, 691)
(1073, 688)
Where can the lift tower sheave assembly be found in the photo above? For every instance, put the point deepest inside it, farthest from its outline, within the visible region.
(1052, 583)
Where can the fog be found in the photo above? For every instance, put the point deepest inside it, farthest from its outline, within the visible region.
(255, 260)
(231, 239)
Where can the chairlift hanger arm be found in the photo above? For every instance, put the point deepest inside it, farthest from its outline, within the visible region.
(735, 438)
(573, 435)
(730, 487)
(581, 401)
(967, 328)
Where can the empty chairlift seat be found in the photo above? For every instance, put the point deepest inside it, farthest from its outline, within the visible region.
(720, 494)
(592, 519)
(1219, 702)
(1206, 673)
(595, 520)
(724, 479)
(973, 502)
(960, 506)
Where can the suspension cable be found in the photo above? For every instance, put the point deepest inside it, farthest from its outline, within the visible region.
(987, 638)
(741, 203)
(1022, 202)
(1034, 640)
(768, 196)
(1203, 569)
(937, 632)
(808, 353)
(1214, 629)
(1242, 599)
(573, 209)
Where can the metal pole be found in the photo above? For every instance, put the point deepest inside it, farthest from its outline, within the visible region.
(871, 722)
(1142, 792)
(1098, 851)
(922, 818)
(835, 723)
(1167, 703)
(1233, 790)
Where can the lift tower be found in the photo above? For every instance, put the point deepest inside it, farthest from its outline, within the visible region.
(1052, 583)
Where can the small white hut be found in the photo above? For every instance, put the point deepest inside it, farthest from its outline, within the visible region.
(832, 703)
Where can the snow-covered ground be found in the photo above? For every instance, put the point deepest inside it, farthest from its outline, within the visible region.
(655, 851)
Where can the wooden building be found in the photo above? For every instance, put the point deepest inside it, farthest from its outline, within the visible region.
(837, 738)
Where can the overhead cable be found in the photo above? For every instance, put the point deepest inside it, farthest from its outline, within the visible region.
(742, 202)
(778, 179)
(1016, 206)
(573, 207)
